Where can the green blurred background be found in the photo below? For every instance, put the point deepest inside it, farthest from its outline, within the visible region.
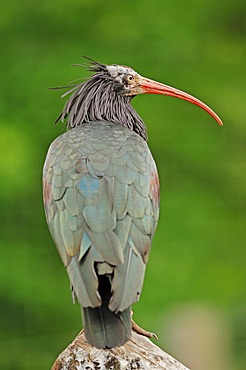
(198, 256)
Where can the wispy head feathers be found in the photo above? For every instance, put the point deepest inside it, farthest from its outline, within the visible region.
(97, 99)
(95, 66)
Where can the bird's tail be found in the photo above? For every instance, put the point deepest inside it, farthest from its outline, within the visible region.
(104, 328)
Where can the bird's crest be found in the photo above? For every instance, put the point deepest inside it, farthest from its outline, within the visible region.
(93, 65)
(98, 99)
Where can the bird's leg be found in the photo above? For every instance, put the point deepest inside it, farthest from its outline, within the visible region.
(141, 331)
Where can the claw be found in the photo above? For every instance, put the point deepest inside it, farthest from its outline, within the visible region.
(142, 331)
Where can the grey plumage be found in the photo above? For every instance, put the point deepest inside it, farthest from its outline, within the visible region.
(99, 99)
(101, 196)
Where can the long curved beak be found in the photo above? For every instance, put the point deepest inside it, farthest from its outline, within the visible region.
(148, 86)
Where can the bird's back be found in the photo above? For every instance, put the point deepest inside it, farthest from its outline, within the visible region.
(101, 195)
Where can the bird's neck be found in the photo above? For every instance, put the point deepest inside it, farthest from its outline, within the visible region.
(97, 100)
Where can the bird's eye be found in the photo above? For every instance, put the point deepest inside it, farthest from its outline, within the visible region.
(130, 77)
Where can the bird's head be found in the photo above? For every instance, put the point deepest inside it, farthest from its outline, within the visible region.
(128, 82)
(106, 96)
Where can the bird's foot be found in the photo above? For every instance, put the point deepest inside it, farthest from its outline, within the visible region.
(141, 331)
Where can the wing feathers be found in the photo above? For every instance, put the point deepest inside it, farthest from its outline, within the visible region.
(108, 245)
(102, 209)
(84, 281)
(127, 282)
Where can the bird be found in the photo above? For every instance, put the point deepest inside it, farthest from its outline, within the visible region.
(101, 196)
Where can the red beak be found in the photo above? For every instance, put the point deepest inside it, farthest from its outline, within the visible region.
(152, 87)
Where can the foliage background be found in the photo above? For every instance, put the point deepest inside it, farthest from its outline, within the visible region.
(198, 253)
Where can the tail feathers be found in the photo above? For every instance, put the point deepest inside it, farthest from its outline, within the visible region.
(104, 328)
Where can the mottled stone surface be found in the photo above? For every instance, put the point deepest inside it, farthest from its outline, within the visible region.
(138, 353)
